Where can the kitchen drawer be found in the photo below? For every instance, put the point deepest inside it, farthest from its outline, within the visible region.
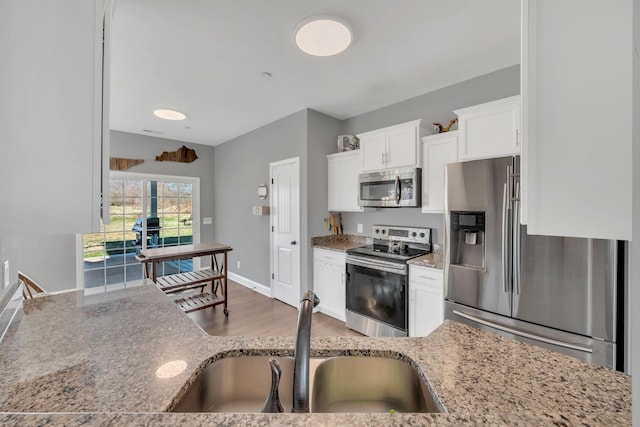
(329, 257)
(426, 277)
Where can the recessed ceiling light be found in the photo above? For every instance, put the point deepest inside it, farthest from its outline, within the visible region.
(322, 36)
(169, 114)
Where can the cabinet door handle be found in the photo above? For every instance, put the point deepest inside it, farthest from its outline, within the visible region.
(342, 278)
(428, 278)
(382, 158)
(517, 137)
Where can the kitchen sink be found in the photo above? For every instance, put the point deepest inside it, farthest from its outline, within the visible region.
(236, 384)
(337, 384)
(369, 384)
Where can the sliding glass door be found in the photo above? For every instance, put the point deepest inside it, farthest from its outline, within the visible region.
(146, 211)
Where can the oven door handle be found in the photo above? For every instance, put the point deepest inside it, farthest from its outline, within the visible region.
(402, 269)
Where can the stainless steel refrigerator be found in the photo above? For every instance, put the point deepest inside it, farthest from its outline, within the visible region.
(556, 292)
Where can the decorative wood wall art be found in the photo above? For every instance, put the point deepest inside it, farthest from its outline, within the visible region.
(122, 164)
(182, 154)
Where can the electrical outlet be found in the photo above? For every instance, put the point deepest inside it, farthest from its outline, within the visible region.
(238, 265)
(6, 273)
(360, 228)
(207, 221)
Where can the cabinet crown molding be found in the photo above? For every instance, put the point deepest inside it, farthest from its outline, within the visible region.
(488, 105)
(418, 123)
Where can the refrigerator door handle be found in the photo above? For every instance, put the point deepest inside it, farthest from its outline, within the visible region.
(516, 332)
(505, 238)
(517, 250)
(509, 185)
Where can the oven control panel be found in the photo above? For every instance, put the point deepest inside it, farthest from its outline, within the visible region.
(402, 234)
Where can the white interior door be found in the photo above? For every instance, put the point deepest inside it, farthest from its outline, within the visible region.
(285, 227)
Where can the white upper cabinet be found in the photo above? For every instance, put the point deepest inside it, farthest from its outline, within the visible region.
(489, 130)
(576, 98)
(51, 116)
(343, 169)
(437, 151)
(392, 147)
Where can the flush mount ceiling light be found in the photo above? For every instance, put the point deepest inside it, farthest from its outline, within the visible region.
(322, 36)
(169, 114)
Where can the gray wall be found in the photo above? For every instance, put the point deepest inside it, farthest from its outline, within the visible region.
(434, 106)
(51, 260)
(133, 146)
(240, 166)
(243, 163)
(322, 132)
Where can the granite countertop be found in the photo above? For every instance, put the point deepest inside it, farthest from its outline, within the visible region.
(97, 356)
(432, 260)
(344, 242)
(339, 242)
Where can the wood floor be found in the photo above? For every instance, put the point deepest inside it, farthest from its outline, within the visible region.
(253, 314)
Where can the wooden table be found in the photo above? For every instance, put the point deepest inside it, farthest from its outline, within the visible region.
(180, 282)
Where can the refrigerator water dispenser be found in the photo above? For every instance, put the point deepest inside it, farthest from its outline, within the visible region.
(467, 238)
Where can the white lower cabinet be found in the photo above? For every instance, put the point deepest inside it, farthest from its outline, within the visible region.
(329, 281)
(426, 300)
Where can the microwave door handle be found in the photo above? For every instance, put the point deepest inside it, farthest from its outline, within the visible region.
(397, 190)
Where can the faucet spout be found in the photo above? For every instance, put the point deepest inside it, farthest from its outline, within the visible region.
(302, 353)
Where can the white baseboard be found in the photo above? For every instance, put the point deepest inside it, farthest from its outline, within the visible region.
(248, 283)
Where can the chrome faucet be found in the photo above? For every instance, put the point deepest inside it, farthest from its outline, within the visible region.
(302, 353)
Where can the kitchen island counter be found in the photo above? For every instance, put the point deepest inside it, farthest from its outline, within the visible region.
(105, 358)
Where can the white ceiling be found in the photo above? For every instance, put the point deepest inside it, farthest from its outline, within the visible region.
(204, 58)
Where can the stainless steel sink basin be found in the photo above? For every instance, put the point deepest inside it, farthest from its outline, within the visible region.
(236, 384)
(337, 384)
(369, 384)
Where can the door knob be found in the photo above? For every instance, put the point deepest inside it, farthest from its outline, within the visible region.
(293, 242)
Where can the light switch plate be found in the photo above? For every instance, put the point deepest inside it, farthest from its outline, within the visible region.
(207, 221)
(5, 268)
(360, 228)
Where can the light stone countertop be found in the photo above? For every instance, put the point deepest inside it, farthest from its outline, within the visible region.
(432, 260)
(339, 242)
(344, 242)
(97, 356)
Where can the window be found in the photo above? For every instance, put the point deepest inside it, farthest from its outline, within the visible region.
(145, 212)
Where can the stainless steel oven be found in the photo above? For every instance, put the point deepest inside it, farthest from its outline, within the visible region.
(377, 280)
(377, 297)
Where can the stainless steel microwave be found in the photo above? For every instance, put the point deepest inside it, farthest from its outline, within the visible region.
(392, 188)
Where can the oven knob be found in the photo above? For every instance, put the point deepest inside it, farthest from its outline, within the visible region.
(384, 231)
(421, 234)
(414, 234)
(377, 231)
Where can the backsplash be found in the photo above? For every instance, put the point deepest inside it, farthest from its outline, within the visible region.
(394, 216)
